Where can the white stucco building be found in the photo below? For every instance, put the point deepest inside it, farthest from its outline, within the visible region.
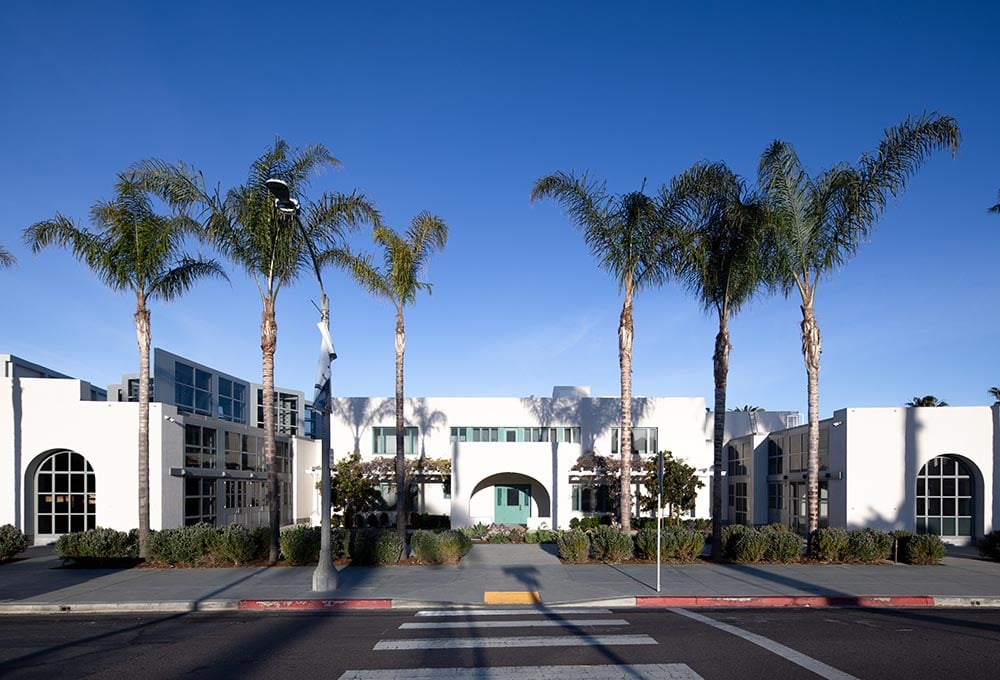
(68, 450)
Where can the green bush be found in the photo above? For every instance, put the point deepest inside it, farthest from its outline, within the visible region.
(425, 547)
(828, 544)
(750, 546)
(574, 523)
(861, 547)
(98, 546)
(12, 542)
(645, 544)
(989, 545)
(782, 546)
(540, 536)
(375, 547)
(924, 549)
(574, 545)
(883, 543)
(240, 544)
(498, 538)
(184, 545)
(690, 543)
(462, 544)
(340, 542)
(300, 544)
(730, 534)
(611, 544)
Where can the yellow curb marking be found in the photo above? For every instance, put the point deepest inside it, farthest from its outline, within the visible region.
(511, 597)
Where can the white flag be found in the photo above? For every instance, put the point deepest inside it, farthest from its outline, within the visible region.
(326, 354)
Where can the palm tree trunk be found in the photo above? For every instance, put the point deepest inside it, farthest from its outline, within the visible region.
(721, 368)
(400, 432)
(142, 332)
(268, 345)
(625, 331)
(811, 352)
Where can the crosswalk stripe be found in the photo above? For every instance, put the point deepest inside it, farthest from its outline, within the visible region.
(525, 641)
(543, 623)
(540, 611)
(659, 671)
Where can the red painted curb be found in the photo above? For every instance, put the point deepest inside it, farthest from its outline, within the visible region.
(786, 601)
(313, 605)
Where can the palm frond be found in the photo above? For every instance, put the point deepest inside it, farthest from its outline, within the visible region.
(171, 283)
(334, 215)
(996, 208)
(7, 258)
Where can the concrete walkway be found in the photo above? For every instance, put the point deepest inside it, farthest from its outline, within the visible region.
(40, 583)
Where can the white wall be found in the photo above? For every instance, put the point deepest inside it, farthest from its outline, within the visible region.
(886, 447)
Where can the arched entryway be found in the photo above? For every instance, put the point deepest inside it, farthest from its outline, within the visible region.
(511, 498)
(946, 497)
(65, 495)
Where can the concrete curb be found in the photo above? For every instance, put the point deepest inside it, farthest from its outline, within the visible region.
(371, 604)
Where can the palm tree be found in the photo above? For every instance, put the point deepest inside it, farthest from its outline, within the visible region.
(246, 227)
(994, 392)
(398, 280)
(132, 249)
(821, 222)
(624, 235)
(996, 208)
(929, 400)
(7, 258)
(725, 263)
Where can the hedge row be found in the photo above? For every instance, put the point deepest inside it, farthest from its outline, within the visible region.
(989, 545)
(610, 544)
(870, 545)
(445, 547)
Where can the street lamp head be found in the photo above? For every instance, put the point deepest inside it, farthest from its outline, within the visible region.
(283, 200)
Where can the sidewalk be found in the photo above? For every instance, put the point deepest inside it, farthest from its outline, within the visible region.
(494, 573)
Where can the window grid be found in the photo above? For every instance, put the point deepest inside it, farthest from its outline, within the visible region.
(66, 497)
(199, 447)
(944, 498)
(384, 441)
(199, 500)
(515, 434)
(232, 401)
(643, 440)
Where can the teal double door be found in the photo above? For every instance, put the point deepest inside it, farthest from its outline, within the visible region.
(513, 503)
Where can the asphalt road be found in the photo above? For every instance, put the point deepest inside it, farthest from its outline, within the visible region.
(634, 643)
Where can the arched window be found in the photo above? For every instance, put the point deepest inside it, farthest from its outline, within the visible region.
(944, 498)
(65, 494)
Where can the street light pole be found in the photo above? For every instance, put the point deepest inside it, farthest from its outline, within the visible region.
(325, 575)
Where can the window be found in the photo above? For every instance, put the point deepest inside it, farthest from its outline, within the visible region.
(384, 441)
(515, 434)
(643, 440)
(65, 494)
(944, 498)
(199, 500)
(737, 456)
(133, 389)
(192, 389)
(774, 458)
(232, 401)
(738, 503)
(798, 506)
(244, 452)
(591, 497)
(245, 493)
(199, 447)
(286, 412)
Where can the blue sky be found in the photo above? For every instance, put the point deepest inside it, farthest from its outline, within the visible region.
(456, 108)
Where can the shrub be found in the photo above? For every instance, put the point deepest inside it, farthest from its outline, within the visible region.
(782, 546)
(461, 542)
(574, 545)
(239, 544)
(645, 544)
(730, 534)
(540, 536)
(375, 546)
(883, 543)
(340, 540)
(689, 544)
(184, 545)
(574, 523)
(300, 544)
(750, 546)
(372, 521)
(989, 545)
(860, 547)
(924, 549)
(828, 544)
(383, 520)
(12, 542)
(425, 547)
(611, 544)
(499, 537)
(97, 546)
